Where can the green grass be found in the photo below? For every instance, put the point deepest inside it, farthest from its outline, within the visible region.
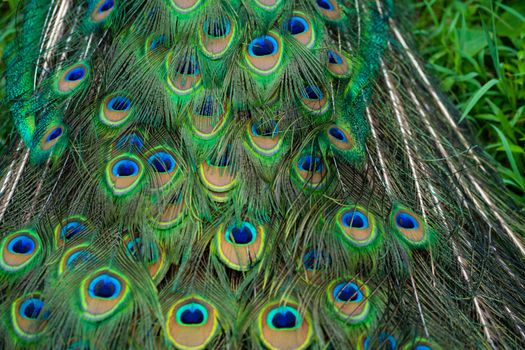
(476, 50)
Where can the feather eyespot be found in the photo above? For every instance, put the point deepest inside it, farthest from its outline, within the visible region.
(123, 174)
(102, 293)
(301, 28)
(102, 10)
(185, 6)
(53, 135)
(208, 117)
(115, 110)
(21, 245)
(240, 246)
(74, 257)
(349, 300)
(330, 9)
(72, 78)
(106, 6)
(162, 162)
(192, 314)
(130, 142)
(420, 344)
(296, 25)
(311, 170)
(19, 250)
(410, 227)
(355, 219)
(385, 341)
(151, 254)
(337, 134)
(29, 316)
(125, 168)
(216, 36)
(406, 221)
(217, 174)
(32, 308)
(337, 64)
(155, 42)
(339, 138)
(264, 137)
(75, 74)
(357, 226)
(70, 228)
(314, 99)
(313, 260)
(344, 292)
(283, 326)
(191, 323)
(268, 4)
(164, 166)
(184, 75)
(104, 286)
(264, 54)
(171, 214)
(311, 164)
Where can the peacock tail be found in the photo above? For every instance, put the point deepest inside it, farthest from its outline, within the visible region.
(244, 174)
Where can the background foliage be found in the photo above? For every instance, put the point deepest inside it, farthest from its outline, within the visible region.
(475, 49)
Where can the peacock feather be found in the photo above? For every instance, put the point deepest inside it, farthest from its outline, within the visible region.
(244, 174)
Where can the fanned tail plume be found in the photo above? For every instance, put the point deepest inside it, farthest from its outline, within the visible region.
(240, 174)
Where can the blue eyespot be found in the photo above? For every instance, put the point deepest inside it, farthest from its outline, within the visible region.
(21, 245)
(162, 162)
(311, 164)
(119, 104)
(386, 341)
(217, 28)
(104, 286)
(325, 4)
(422, 347)
(338, 134)
(159, 40)
(284, 317)
(207, 107)
(132, 141)
(312, 92)
(347, 291)
(78, 257)
(189, 66)
(355, 219)
(192, 314)
(106, 6)
(223, 161)
(125, 167)
(53, 135)
(135, 246)
(244, 234)
(406, 221)
(71, 229)
(31, 309)
(297, 25)
(334, 58)
(263, 46)
(75, 74)
(265, 128)
(310, 260)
